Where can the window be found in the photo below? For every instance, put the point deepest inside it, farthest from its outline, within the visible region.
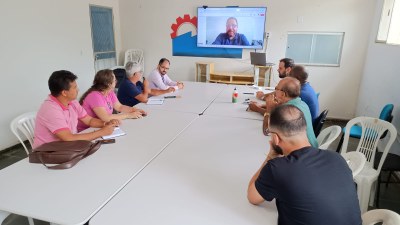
(389, 26)
(316, 49)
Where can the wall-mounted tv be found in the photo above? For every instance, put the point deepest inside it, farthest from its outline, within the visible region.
(231, 27)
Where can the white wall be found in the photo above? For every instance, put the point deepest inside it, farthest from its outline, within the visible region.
(380, 83)
(146, 25)
(39, 37)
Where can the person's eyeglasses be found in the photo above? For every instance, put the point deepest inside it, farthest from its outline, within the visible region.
(165, 68)
(231, 25)
(277, 89)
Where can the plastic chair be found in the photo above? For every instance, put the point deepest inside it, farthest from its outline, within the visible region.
(372, 130)
(384, 216)
(24, 124)
(327, 136)
(319, 122)
(355, 132)
(356, 161)
(134, 55)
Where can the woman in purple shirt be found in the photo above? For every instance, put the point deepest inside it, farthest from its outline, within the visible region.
(100, 100)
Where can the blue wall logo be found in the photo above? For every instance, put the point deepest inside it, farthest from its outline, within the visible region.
(186, 44)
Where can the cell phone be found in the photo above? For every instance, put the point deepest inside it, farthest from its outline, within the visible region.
(108, 141)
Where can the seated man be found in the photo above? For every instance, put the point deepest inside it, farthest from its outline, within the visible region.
(284, 68)
(307, 93)
(310, 186)
(231, 36)
(159, 79)
(132, 90)
(58, 116)
(287, 92)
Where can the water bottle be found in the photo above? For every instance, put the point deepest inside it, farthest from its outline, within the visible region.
(235, 95)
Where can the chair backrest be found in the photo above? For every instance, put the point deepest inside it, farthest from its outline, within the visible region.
(386, 113)
(319, 122)
(120, 75)
(134, 55)
(355, 160)
(327, 136)
(371, 132)
(25, 125)
(384, 216)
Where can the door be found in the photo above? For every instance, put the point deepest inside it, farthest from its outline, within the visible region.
(101, 19)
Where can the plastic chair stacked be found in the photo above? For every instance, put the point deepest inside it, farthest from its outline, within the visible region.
(355, 132)
(372, 130)
(24, 125)
(327, 136)
(134, 55)
(384, 216)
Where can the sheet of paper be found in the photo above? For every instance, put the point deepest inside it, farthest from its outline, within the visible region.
(155, 101)
(117, 132)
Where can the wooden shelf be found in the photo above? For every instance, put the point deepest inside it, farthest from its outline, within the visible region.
(206, 70)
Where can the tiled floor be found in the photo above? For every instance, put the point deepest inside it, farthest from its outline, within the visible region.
(389, 197)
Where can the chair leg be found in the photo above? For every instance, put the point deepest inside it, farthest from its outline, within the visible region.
(30, 220)
(388, 179)
(378, 188)
(340, 144)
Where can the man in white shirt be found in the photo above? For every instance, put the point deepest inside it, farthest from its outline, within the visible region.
(158, 78)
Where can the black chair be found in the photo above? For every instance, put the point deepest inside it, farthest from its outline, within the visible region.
(391, 165)
(319, 122)
(120, 75)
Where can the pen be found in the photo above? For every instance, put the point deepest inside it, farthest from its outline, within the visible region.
(169, 96)
(248, 93)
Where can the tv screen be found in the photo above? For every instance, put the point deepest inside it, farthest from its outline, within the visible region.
(231, 27)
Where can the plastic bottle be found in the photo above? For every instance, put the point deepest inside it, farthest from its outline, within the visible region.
(235, 95)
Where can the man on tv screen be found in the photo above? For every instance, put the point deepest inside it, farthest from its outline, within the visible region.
(231, 36)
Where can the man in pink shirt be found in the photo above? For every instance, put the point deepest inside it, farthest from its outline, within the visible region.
(58, 116)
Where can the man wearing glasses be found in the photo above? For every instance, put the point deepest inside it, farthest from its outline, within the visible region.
(159, 79)
(231, 36)
(287, 92)
(309, 185)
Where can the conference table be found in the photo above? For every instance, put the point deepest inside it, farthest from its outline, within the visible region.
(195, 97)
(222, 105)
(200, 178)
(73, 196)
(181, 164)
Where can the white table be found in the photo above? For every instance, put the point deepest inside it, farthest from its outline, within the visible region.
(195, 97)
(74, 195)
(223, 106)
(200, 178)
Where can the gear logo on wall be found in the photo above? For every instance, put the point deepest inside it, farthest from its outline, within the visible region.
(180, 21)
(186, 44)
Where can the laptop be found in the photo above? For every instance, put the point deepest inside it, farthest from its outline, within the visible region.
(259, 59)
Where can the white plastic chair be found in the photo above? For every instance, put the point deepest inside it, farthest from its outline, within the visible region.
(355, 160)
(327, 136)
(384, 216)
(372, 130)
(134, 55)
(24, 124)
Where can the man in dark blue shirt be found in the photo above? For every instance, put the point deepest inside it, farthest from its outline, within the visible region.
(307, 93)
(310, 186)
(132, 91)
(231, 36)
